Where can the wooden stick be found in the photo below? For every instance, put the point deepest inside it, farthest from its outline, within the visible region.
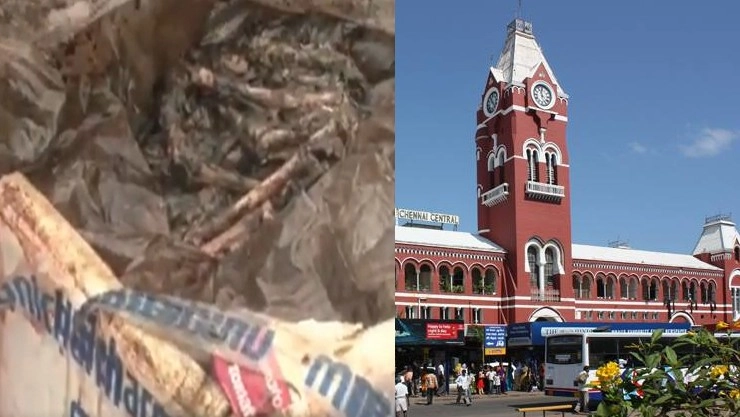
(236, 235)
(250, 201)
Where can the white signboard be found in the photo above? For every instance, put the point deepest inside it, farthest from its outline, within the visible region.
(427, 216)
(548, 331)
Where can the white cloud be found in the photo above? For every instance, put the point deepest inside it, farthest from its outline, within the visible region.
(710, 142)
(638, 147)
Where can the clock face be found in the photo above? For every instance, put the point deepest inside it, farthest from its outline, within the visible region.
(491, 102)
(542, 95)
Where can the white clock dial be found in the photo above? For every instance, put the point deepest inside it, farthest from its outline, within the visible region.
(490, 104)
(542, 95)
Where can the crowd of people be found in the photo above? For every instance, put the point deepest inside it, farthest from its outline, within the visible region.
(490, 379)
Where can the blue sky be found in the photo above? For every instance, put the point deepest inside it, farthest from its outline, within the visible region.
(654, 113)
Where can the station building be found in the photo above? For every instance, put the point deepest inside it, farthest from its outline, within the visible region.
(522, 266)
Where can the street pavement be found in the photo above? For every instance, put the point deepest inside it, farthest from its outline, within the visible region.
(485, 405)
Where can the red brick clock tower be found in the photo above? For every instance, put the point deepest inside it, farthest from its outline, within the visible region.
(523, 175)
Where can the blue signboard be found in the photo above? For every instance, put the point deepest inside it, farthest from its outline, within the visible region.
(495, 340)
(533, 334)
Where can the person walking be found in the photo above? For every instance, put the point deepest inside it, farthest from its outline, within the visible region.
(463, 388)
(431, 383)
(402, 398)
(409, 380)
(442, 380)
(581, 380)
(460, 382)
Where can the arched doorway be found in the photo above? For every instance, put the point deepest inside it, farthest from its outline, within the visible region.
(546, 314)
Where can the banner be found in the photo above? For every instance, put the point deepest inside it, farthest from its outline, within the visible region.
(421, 332)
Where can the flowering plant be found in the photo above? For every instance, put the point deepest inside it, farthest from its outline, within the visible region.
(612, 387)
(696, 374)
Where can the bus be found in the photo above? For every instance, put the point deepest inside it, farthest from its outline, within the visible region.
(566, 354)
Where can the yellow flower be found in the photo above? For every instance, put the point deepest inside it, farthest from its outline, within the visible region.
(607, 373)
(717, 371)
(736, 324)
(734, 394)
(721, 325)
(690, 334)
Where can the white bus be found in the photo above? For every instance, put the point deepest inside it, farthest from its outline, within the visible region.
(566, 354)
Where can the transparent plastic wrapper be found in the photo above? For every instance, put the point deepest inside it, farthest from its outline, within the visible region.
(142, 354)
(81, 85)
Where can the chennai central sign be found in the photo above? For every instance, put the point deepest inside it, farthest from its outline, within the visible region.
(427, 216)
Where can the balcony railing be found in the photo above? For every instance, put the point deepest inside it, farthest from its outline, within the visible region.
(548, 295)
(495, 195)
(544, 191)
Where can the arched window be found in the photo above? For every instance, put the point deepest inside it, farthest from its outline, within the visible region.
(425, 278)
(533, 170)
(704, 293)
(490, 281)
(654, 289)
(610, 284)
(501, 160)
(600, 286)
(549, 268)
(692, 292)
(581, 286)
(645, 289)
(623, 288)
(737, 253)
(577, 285)
(445, 279)
(712, 292)
(477, 281)
(586, 286)
(533, 270)
(458, 280)
(410, 277)
(492, 169)
(551, 164)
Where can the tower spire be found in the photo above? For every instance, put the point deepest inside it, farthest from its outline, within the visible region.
(519, 9)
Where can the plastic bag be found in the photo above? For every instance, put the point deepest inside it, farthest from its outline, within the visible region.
(139, 121)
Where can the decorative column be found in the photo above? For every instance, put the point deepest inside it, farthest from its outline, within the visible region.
(467, 281)
(435, 281)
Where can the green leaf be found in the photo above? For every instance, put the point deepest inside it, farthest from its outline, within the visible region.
(652, 360)
(657, 334)
(670, 356)
(602, 410)
(661, 400)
